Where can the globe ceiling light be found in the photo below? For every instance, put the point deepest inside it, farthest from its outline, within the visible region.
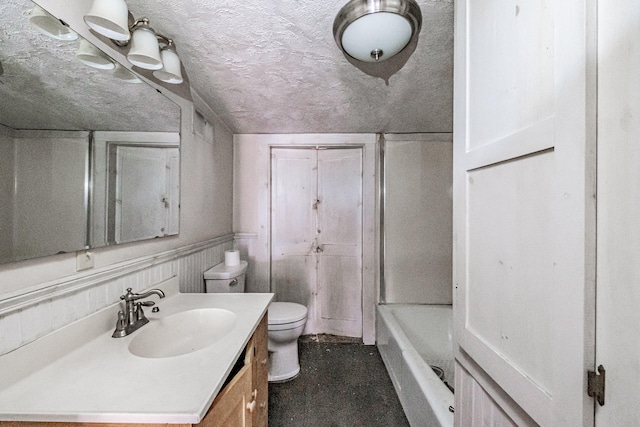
(376, 30)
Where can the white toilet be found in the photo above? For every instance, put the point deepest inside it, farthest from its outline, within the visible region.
(286, 320)
(286, 323)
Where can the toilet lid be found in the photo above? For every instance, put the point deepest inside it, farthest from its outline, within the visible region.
(286, 312)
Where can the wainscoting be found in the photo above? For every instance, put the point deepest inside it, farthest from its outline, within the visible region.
(36, 312)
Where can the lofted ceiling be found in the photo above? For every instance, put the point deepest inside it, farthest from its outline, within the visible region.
(274, 67)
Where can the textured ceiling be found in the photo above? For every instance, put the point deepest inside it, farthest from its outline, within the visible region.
(274, 67)
(43, 86)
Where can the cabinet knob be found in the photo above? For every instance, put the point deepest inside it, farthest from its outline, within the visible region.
(251, 405)
(263, 362)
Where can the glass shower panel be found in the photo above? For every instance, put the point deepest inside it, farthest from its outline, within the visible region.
(417, 221)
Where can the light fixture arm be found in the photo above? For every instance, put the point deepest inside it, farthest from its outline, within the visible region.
(169, 43)
(134, 23)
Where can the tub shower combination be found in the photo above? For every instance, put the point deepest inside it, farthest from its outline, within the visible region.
(416, 340)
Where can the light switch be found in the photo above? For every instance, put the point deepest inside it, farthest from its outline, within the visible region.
(84, 260)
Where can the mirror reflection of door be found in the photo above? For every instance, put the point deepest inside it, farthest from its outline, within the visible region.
(143, 197)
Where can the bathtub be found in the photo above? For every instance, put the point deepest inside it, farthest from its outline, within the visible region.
(411, 338)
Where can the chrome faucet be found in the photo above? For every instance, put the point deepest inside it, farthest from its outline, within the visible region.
(133, 317)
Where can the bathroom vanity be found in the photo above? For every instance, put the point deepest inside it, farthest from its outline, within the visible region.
(182, 375)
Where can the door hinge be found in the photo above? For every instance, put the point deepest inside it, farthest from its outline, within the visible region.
(595, 384)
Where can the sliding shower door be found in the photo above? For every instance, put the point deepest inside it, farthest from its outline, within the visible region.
(316, 235)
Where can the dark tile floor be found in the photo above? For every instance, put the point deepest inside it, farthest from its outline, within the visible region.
(341, 383)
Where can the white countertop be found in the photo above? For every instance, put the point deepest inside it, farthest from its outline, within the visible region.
(80, 373)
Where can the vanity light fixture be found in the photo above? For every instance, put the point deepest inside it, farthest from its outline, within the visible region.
(144, 51)
(90, 55)
(48, 25)
(109, 18)
(125, 75)
(376, 30)
(171, 72)
(112, 19)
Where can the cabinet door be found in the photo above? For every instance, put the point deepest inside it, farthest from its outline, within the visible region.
(260, 375)
(230, 407)
(524, 211)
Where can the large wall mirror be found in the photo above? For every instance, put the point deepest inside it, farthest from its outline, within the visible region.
(89, 155)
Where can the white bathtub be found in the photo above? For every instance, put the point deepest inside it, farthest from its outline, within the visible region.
(410, 338)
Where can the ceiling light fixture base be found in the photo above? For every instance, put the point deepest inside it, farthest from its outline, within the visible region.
(376, 30)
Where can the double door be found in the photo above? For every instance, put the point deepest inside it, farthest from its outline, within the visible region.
(316, 235)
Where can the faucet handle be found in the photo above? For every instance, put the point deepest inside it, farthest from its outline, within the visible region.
(147, 303)
(128, 296)
(140, 317)
(121, 325)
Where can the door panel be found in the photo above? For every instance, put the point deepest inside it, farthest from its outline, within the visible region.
(294, 183)
(523, 211)
(340, 296)
(340, 234)
(340, 195)
(510, 284)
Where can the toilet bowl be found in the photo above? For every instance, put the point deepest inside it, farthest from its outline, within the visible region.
(286, 323)
(286, 320)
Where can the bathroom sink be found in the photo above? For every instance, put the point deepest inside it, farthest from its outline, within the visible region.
(182, 333)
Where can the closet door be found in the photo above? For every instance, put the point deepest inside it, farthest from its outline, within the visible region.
(524, 211)
(339, 242)
(316, 235)
(293, 227)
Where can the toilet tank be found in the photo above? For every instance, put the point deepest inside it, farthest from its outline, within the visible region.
(223, 278)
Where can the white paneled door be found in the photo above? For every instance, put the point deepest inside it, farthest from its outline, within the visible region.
(524, 211)
(618, 313)
(316, 235)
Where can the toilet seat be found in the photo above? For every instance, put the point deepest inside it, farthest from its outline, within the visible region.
(286, 315)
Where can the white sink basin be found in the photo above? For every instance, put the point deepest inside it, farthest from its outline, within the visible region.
(182, 333)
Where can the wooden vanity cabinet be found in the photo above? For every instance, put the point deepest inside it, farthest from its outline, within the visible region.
(243, 402)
